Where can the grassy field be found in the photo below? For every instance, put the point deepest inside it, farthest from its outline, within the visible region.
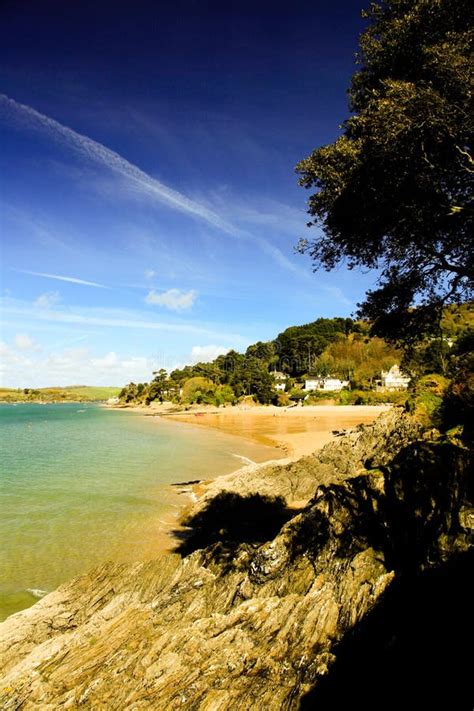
(71, 393)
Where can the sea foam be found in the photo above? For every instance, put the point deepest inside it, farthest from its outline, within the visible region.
(245, 460)
(37, 592)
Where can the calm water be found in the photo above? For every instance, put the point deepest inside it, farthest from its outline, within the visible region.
(80, 484)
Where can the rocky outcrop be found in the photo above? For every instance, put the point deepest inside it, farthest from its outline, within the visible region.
(260, 628)
(367, 445)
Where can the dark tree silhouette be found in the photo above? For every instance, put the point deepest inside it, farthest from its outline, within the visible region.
(394, 191)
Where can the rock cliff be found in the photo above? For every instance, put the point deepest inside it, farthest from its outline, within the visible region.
(257, 621)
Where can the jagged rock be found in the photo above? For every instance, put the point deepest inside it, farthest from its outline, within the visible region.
(263, 629)
(367, 445)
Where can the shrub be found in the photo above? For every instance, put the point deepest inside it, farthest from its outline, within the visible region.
(282, 399)
(224, 394)
(433, 383)
(198, 390)
(427, 398)
(458, 402)
(296, 394)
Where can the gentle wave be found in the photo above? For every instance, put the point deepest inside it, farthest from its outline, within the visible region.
(245, 460)
(37, 592)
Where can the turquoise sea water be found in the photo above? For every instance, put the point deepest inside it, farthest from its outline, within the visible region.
(80, 484)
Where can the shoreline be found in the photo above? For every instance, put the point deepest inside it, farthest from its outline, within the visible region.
(294, 432)
(297, 431)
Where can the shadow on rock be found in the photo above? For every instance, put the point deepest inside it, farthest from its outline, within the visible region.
(411, 511)
(411, 651)
(229, 520)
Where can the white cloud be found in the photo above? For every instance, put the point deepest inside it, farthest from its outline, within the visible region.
(73, 366)
(12, 362)
(338, 295)
(79, 365)
(107, 361)
(204, 354)
(48, 300)
(60, 277)
(24, 342)
(149, 274)
(173, 299)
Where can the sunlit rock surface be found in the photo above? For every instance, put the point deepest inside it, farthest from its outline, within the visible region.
(246, 625)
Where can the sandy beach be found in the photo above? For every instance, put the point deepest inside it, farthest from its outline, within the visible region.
(298, 431)
(293, 432)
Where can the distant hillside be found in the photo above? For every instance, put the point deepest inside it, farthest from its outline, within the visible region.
(333, 347)
(73, 393)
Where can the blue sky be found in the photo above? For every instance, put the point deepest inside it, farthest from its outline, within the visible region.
(149, 205)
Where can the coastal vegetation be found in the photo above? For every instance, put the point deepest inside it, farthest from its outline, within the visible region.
(362, 596)
(72, 393)
(338, 347)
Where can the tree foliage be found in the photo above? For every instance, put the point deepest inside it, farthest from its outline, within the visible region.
(394, 191)
(299, 346)
(158, 386)
(338, 347)
(198, 389)
(357, 359)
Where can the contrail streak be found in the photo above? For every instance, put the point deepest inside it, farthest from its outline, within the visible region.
(94, 151)
(59, 277)
(23, 115)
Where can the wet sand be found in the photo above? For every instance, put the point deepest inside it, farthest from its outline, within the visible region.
(294, 432)
(299, 431)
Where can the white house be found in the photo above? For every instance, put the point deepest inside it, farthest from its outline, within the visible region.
(325, 384)
(394, 379)
(280, 380)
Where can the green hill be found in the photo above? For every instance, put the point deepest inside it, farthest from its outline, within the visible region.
(73, 393)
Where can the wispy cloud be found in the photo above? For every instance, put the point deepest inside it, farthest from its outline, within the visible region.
(173, 299)
(278, 256)
(338, 295)
(204, 354)
(260, 211)
(23, 312)
(24, 342)
(92, 150)
(48, 300)
(60, 277)
(36, 226)
(136, 179)
(69, 341)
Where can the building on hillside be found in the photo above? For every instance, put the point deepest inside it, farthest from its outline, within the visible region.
(113, 401)
(393, 379)
(325, 384)
(280, 380)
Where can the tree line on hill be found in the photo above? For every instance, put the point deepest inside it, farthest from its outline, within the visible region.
(336, 347)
